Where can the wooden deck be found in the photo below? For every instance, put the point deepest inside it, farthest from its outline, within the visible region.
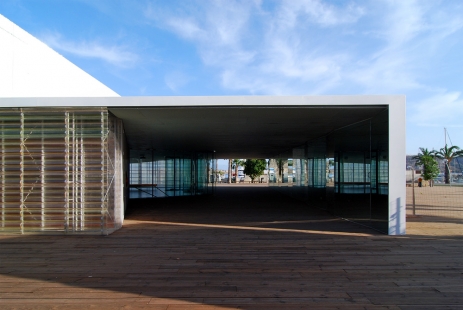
(245, 248)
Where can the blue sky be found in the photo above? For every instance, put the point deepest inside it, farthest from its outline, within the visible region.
(252, 47)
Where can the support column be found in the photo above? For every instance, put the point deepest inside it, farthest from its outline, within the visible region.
(21, 176)
(152, 173)
(74, 168)
(397, 191)
(3, 174)
(42, 181)
(175, 174)
(103, 174)
(67, 172)
(140, 171)
(216, 171)
(82, 181)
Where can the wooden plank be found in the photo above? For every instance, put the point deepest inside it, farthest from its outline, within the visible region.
(224, 259)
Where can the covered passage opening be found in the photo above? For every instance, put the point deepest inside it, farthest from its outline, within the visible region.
(70, 164)
(334, 157)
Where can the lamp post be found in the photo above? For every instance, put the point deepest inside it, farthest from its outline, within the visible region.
(413, 187)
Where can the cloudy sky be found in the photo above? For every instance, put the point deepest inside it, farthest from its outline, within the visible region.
(267, 47)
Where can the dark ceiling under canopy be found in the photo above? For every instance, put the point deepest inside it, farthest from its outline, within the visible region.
(235, 131)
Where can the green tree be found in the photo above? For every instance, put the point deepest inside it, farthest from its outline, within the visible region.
(430, 168)
(236, 163)
(254, 168)
(448, 154)
(419, 158)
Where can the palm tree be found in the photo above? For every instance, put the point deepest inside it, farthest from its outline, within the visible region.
(229, 170)
(236, 163)
(448, 154)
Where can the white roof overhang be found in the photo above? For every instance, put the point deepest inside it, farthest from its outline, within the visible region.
(232, 126)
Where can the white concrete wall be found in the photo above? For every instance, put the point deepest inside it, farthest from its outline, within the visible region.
(29, 68)
(397, 155)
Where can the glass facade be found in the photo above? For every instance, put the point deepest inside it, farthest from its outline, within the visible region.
(164, 174)
(69, 170)
(345, 172)
(61, 170)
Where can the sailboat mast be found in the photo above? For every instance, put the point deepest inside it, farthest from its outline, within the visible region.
(445, 136)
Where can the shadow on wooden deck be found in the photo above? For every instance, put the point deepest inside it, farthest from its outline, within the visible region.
(241, 249)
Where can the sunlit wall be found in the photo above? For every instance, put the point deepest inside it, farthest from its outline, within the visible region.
(62, 170)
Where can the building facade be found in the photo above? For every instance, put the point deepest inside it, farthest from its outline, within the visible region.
(73, 152)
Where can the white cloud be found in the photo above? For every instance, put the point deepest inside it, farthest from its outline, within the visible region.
(225, 35)
(318, 12)
(408, 35)
(403, 20)
(185, 28)
(112, 54)
(442, 109)
(314, 46)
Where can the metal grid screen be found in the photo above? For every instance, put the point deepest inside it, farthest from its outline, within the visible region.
(61, 170)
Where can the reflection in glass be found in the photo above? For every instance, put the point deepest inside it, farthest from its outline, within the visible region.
(345, 172)
(164, 174)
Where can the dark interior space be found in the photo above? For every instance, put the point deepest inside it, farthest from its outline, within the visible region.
(242, 207)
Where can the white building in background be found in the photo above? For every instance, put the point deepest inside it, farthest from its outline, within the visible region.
(72, 150)
(29, 68)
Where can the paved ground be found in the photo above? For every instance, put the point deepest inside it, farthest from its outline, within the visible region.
(440, 202)
(438, 209)
(246, 248)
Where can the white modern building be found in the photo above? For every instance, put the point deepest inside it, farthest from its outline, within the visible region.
(73, 151)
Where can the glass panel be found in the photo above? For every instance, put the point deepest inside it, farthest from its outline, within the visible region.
(273, 172)
(353, 189)
(345, 172)
(165, 174)
(380, 171)
(317, 172)
(170, 178)
(11, 170)
(352, 173)
(299, 190)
